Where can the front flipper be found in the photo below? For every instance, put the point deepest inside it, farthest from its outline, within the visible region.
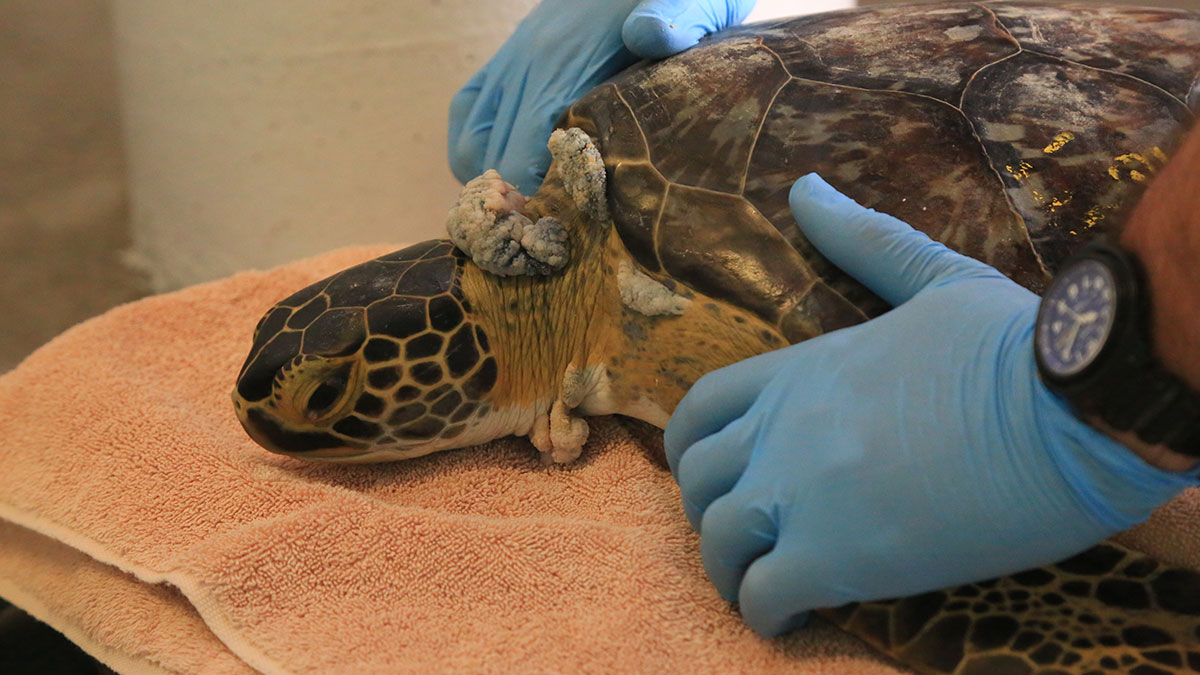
(486, 224)
(559, 435)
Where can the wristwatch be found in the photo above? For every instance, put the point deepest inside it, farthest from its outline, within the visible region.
(1093, 347)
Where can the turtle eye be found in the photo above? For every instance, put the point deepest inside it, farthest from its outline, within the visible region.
(327, 394)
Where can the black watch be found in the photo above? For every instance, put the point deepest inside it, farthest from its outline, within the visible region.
(1093, 348)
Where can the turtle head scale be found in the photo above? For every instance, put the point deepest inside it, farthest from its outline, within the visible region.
(381, 361)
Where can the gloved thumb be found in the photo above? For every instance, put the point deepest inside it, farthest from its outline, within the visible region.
(884, 253)
(657, 29)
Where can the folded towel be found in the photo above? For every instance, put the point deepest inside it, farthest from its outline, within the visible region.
(147, 527)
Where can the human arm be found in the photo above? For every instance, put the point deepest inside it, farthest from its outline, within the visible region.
(1163, 231)
(916, 451)
(503, 116)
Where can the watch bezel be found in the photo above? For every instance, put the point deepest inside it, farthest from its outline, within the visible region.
(1126, 321)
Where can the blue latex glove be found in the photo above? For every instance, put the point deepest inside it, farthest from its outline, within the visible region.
(503, 117)
(913, 452)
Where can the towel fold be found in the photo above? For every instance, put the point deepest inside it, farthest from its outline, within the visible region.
(146, 526)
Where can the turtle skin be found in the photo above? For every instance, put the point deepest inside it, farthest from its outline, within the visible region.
(1012, 133)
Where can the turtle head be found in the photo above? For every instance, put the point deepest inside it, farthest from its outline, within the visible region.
(380, 361)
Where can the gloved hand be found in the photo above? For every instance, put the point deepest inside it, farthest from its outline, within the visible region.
(913, 452)
(503, 116)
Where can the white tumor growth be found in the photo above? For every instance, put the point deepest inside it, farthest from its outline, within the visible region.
(485, 223)
(581, 170)
(643, 294)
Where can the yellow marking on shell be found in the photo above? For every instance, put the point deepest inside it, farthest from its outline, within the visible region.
(1057, 202)
(1059, 142)
(1020, 171)
(1095, 215)
(1140, 166)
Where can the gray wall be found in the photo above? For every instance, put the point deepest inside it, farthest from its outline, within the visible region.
(62, 184)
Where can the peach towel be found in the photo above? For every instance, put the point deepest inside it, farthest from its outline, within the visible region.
(145, 525)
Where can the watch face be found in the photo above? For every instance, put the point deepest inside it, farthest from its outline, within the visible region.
(1076, 317)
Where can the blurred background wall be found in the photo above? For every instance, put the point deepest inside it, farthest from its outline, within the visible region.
(260, 132)
(254, 133)
(63, 216)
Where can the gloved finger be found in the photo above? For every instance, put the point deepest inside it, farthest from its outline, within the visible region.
(526, 157)
(505, 116)
(472, 116)
(460, 108)
(656, 29)
(733, 534)
(781, 587)
(713, 465)
(718, 398)
(884, 253)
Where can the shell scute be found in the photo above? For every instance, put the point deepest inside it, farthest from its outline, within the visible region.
(362, 284)
(1072, 144)
(428, 278)
(310, 311)
(603, 111)
(914, 157)
(933, 53)
(337, 332)
(715, 242)
(698, 115)
(1155, 45)
(636, 204)
(397, 316)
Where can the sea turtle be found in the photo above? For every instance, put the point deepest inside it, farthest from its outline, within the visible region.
(661, 246)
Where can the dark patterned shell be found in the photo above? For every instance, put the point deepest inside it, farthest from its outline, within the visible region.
(1013, 133)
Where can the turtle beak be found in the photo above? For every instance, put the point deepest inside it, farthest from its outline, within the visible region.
(273, 434)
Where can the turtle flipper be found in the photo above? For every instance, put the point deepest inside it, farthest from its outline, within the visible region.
(1107, 610)
(487, 225)
(581, 170)
(559, 435)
